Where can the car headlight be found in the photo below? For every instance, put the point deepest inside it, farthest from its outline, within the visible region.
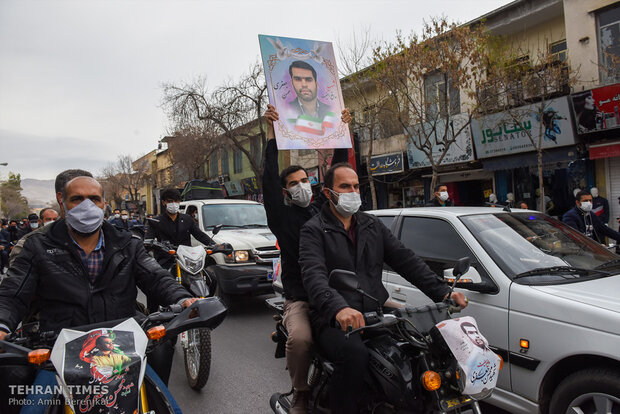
(242, 255)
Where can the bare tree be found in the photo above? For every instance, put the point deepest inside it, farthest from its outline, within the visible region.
(428, 75)
(190, 147)
(525, 88)
(235, 109)
(370, 99)
(126, 176)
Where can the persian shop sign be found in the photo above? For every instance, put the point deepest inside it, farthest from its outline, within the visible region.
(504, 134)
(387, 164)
(597, 109)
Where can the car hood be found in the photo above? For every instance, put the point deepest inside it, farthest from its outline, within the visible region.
(246, 239)
(601, 293)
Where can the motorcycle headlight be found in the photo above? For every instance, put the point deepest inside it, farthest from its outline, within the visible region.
(193, 266)
(242, 255)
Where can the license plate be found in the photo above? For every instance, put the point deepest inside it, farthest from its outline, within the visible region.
(455, 402)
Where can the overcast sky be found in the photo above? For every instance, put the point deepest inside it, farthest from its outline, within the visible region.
(80, 81)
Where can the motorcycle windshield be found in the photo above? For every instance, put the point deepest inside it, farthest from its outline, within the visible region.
(101, 369)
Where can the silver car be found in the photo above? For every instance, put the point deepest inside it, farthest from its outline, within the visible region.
(546, 297)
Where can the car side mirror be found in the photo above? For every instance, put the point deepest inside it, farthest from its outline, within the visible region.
(462, 266)
(471, 276)
(344, 280)
(217, 228)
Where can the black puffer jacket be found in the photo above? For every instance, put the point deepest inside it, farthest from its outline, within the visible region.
(48, 276)
(325, 246)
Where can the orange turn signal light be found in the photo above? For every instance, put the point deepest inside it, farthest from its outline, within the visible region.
(209, 251)
(39, 356)
(156, 332)
(524, 343)
(431, 380)
(172, 252)
(501, 362)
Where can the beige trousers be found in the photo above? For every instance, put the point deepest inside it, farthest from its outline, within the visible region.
(298, 344)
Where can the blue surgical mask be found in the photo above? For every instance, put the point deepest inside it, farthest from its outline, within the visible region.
(85, 218)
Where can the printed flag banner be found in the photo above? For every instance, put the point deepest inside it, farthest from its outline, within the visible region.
(303, 86)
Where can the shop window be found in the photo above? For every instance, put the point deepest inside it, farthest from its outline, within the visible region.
(440, 97)
(558, 51)
(609, 44)
(238, 161)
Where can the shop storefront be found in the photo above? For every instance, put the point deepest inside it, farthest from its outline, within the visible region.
(467, 185)
(597, 116)
(503, 143)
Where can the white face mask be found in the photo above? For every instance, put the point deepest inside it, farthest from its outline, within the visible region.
(117, 216)
(124, 217)
(348, 203)
(301, 194)
(586, 206)
(173, 208)
(85, 218)
(48, 223)
(34, 225)
(443, 195)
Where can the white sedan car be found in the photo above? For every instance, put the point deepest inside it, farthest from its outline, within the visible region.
(546, 297)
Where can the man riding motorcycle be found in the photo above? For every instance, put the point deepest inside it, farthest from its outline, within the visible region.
(81, 270)
(288, 206)
(340, 237)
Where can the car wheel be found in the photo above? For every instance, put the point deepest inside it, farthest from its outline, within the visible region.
(590, 391)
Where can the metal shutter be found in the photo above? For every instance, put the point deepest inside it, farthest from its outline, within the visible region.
(613, 169)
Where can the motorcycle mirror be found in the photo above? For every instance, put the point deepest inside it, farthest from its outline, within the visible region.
(217, 228)
(461, 267)
(344, 280)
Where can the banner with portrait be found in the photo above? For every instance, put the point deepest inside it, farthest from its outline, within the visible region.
(478, 364)
(304, 87)
(101, 370)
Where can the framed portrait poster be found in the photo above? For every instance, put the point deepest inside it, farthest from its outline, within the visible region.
(303, 86)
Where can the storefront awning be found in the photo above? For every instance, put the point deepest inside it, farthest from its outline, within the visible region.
(529, 159)
(609, 150)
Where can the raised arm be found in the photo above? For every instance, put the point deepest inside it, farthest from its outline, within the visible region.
(272, 189)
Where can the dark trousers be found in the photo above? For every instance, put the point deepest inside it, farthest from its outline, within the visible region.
(350, 358)
(160, 359)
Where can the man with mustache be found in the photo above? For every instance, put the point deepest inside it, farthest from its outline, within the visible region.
(304, 82)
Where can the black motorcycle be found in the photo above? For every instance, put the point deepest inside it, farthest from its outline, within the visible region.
(134, 387)
(412, 368)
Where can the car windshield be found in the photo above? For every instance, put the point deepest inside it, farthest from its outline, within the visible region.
(234, 215)
(538, 247)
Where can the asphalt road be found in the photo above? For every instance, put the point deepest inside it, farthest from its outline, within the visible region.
(244, 372)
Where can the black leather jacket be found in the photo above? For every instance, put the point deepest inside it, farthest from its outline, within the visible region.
(49, 276)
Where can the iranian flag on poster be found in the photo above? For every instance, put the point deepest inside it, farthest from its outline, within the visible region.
(330, 120)
(309, 125)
